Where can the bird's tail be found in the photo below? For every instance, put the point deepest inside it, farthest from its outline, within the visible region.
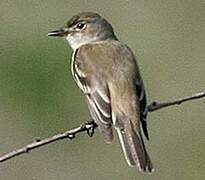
(134, 150)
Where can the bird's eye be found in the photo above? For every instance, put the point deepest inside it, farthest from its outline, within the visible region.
(80, 26)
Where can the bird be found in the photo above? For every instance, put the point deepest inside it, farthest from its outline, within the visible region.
(106, 71)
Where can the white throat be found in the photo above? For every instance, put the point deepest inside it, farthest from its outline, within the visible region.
(78, 40)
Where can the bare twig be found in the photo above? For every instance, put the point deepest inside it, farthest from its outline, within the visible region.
(89, 128)
(156, 105)
(70, 134)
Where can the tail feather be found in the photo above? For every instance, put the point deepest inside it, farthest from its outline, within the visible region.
(134, 150)
(124, 144)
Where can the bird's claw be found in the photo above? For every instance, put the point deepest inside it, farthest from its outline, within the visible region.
(90, 128)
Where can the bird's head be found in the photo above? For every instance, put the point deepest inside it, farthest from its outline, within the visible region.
(85, 28)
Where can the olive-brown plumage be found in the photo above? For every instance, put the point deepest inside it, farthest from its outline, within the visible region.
(106, 71)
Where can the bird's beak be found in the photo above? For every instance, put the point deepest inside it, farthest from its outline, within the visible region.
(62, 32)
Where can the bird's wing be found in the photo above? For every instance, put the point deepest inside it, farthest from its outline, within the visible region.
(98, 101)
(143, 102)
(97, 96)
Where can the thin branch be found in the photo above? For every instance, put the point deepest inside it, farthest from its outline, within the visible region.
(156, 105)
(89, 128)
(70, 134)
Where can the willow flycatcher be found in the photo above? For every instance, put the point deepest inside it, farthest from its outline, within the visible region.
(106, 71)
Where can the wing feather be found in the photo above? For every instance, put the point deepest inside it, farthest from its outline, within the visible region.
(97, 97)
(143, 102)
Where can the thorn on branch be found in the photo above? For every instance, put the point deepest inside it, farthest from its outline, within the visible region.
(37, 140)
(154, 103)
(71, 136)
(26, 150)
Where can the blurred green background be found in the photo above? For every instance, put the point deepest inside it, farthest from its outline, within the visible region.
(38, 97)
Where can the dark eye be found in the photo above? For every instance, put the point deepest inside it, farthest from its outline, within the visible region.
(80, 26)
